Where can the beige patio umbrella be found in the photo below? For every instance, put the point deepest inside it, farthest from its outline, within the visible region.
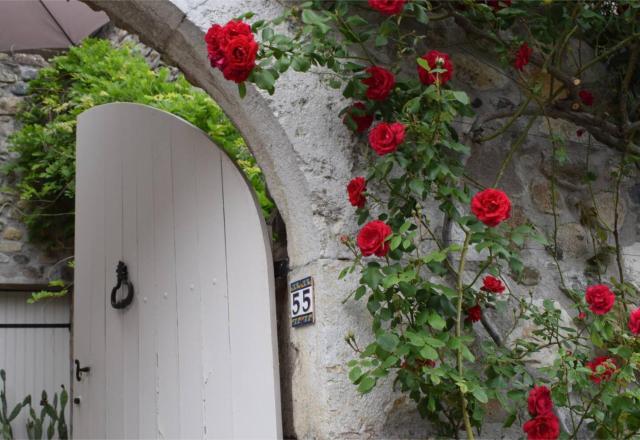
(31, 25)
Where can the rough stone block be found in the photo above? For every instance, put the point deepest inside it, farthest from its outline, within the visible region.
(9, 105)
(12, 233)
(10, 246)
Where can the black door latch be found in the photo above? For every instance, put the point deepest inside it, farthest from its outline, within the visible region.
(123, 279)
(79, 370)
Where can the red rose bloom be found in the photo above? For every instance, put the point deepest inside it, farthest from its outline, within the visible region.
(522, 56)
(586, 97)
(539, 401)
(362, 121)
(239, 58)
(634, 321)
(543, 427)
(371, 238)
(217, 38)
(582, 316)
(608, 368)
(214, 39)
(600, 299)
(232, 49)
(384, 138)
(436, 60)
(474, 314)
(492, 284)
(491, 206)
(387, 7)
(355, 188)
(380, 83)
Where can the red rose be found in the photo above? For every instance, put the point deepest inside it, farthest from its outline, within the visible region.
(522, 56)
(362, 120)
(492, 284)
(600, 299)
(608, 368)
(232, 49)
(543, 427)
(582, 316)
(215, 39)
(634, 321)
(372, 238)
(436, 60)
(239, 58)
(491, 206)
(380, 83)
(586, 97)
(539, 401)
(387, 7)
(474, 314)
(355, 188)
(384, 138)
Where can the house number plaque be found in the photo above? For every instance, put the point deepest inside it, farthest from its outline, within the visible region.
(302, 302)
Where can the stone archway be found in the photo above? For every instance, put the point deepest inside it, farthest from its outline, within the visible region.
(307, 159)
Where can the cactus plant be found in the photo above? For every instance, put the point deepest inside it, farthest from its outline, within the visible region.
(5, 417)
(36, 423)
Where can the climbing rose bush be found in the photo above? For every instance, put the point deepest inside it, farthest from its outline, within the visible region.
(427, 301)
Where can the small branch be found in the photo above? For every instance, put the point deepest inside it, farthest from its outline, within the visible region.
(516, 145)
(460, 288)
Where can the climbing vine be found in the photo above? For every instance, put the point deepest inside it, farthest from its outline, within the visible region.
(428, 305)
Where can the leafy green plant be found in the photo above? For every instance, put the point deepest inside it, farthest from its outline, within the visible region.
(7, 417)
(91, 74)
(36, 423)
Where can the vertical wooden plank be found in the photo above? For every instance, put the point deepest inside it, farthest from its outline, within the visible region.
(89, 304)
(168, 377)
(256, 391)
(214, 313)
(121, 131)
(134, 138)
(184, 141)
(147, 290)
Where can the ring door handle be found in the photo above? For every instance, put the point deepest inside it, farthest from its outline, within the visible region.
(80, 371)
(123, 280)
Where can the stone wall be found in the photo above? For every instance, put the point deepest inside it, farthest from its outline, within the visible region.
(20, 260)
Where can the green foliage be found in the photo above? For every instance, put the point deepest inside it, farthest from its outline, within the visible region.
(36, 424)
(91, 74)
(7, 417)
(57, 423)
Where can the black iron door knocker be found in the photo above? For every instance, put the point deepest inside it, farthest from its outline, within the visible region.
(123, 280)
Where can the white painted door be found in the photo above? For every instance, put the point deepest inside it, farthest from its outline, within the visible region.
(195, 354)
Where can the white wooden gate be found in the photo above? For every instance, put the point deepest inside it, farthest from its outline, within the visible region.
(195, 354)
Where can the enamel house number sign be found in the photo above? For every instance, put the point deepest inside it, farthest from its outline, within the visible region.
(302, 302)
